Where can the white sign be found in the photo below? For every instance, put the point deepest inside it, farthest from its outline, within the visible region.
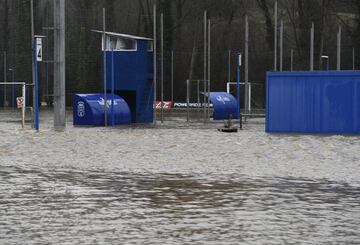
(20, 102)
(81, 109)
(191, 105)
(108, 102)
(223, 99)
(39, 55)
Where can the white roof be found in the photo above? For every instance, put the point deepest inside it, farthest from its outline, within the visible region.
(123, 35)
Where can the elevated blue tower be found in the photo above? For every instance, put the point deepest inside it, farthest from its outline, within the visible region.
(129, 67)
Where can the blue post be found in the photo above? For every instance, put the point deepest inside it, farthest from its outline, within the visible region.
(112, 89)
(36, 106)
(238, 86)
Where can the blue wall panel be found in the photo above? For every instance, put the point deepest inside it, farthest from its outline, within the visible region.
(313, 102)
(133, 73)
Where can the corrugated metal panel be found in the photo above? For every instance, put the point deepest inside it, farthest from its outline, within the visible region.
(313, 102)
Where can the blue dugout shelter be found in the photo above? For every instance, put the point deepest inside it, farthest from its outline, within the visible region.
(225, 105)
(129, 73)
(129, 62)
(88, 110)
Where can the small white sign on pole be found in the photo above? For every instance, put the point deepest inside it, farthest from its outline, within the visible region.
(20, 102)
(39, 55)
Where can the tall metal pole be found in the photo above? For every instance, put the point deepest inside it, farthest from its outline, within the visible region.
(238, 69)
(23, 109)
(312, 34)
(36, 93)
(112, 88)
(162, 68)
(338, 66)
(187, 100)
(205, 62)
(104, 69)
(198, 99)
(154, 61)
(32, 48)
(229, 67)
(275, 35)
(59, 65)
(247, 93)
(209, 67)
(5, 79)
(292, 60)
(353, 59)
(46, 88)
(172, 76)
(12, 87)
(281, 44)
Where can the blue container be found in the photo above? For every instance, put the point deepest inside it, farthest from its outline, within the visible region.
(313, 102)
(225, 105)
(88, 110)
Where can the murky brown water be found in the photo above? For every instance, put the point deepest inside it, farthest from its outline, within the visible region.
(70, 206)
(175, 185)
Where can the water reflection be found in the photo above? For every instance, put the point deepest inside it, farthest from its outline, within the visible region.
(71, 206)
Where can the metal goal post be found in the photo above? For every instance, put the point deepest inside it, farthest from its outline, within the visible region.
(21, 101)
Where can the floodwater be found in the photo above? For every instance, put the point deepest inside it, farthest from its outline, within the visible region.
(177, 185)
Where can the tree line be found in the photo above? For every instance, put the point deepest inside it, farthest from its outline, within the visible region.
(183, 34)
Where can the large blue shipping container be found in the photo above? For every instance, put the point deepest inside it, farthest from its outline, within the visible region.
(313, 102)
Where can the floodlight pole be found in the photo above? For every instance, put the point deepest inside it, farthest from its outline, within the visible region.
(112, 89)
(205, 63)
(104, 60)
(32, 47)
(59, 65)
(275, 35)
(209, 68)
(188, 101)
(162, 67)
(281, 44)
(229, 67)
(34, 69)
(172, 76)
(247, 88)
(292, 60)
(198, 99)
(312, 34)
(155, 66)
(339, 49)
(353, 58)
(5, 78)
(12, 70)
(36, 91)
(23, 109)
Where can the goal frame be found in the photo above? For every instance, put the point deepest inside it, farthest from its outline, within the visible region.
(23, 109)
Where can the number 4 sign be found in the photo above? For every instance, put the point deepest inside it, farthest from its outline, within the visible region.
(39, 49)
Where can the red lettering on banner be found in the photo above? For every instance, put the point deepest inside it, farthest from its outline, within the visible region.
(166, 105)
